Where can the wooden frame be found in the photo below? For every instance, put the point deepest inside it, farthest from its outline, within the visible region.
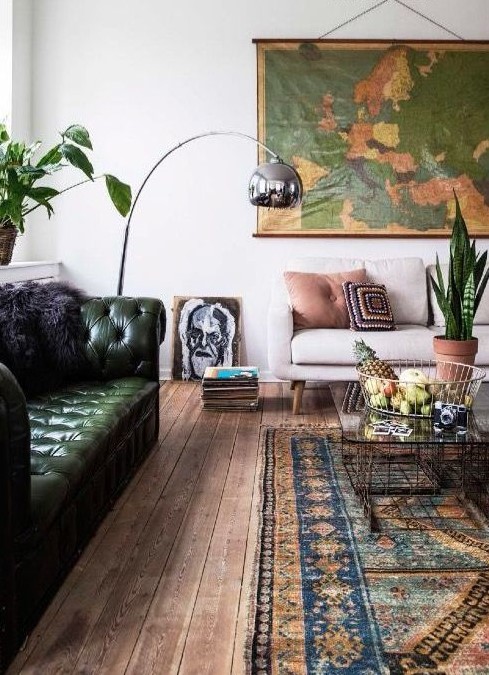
(381, 132)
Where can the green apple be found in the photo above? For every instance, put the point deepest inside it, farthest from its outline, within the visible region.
(405, 407)
(422, 396)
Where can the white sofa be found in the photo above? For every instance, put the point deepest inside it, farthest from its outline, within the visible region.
(327, 353)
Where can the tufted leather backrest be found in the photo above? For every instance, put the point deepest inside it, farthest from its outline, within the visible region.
(123, 336)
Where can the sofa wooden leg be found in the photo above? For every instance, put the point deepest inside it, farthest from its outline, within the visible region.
(298, 389)
(292, 384)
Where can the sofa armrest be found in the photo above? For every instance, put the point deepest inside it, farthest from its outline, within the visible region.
(15, 457)
(280, 333)
(123, 336)
(15, 500)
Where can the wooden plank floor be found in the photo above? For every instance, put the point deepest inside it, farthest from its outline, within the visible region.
(163, 585)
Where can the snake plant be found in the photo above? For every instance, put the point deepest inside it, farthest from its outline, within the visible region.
(466, 282)
(20, 172)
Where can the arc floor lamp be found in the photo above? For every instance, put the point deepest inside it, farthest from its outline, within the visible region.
(273, 184)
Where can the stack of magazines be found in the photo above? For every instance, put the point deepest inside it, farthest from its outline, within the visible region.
(226, 388)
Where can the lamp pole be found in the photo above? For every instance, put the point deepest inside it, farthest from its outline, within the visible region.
(283, 198)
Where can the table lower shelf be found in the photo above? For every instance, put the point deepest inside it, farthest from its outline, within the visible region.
(416, 469)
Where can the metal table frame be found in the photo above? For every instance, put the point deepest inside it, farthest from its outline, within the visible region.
(423, 463)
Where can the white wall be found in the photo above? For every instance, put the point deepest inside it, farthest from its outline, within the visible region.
(21, 97)
(5, 60)
(21, 68)
(144, 76)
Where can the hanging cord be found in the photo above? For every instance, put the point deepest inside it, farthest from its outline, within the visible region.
(399, 2)
(435, 23)
(353, 18)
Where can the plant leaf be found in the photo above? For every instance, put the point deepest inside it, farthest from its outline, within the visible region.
(468, 308)
(439, 274)
(480, 290)
(34, 172)
(42, 193)
(4, 136)
(455, 304)
(120, 194)
(32, 149)
(457, 248)
(480, 266)
(78, 135)
(52, 156)
(77, 158)
(13, 211)
(440, 297)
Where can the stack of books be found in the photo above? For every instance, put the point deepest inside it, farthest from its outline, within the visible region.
(225, 388)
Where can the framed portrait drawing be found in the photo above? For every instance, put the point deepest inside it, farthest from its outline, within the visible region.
(381, 132)
(206, 332)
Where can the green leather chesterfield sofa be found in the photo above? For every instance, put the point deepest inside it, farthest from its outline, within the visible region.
(66, 455)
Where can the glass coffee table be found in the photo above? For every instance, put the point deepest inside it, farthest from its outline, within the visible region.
(382, 460)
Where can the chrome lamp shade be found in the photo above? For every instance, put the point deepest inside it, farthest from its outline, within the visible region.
(275, 185)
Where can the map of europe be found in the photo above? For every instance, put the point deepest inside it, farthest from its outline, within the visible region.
(381, 134)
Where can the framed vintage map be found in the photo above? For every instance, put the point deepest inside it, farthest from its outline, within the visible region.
(381, 133)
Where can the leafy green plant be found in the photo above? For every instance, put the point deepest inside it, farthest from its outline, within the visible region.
(20, 193)
(466, 281)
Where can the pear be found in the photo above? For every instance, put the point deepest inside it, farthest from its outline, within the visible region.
(426, 410)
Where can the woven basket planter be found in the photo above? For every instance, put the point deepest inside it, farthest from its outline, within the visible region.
(8, 236)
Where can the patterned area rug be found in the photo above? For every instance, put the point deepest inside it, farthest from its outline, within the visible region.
(332, 597)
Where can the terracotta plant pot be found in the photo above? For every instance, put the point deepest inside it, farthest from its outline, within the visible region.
(450, 352)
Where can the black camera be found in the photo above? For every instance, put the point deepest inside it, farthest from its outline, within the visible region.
(449, 416)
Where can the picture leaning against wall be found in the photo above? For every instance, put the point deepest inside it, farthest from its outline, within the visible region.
(381, 133)
(206, 332)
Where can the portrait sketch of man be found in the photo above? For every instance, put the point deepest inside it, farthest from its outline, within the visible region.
(206, 332)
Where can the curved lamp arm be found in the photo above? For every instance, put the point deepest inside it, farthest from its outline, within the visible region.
(276, 158)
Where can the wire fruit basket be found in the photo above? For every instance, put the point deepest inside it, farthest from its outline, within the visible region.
(419, 384)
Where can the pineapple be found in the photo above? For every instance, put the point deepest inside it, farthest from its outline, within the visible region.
(368, 363)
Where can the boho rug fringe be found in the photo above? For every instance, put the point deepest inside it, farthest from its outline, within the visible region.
(253, 577)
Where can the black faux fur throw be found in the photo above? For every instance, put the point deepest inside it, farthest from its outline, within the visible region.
(41, 333)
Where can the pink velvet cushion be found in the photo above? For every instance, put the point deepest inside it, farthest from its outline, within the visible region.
(318, 300)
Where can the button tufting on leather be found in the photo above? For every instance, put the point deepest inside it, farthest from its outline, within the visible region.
(114, 347)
